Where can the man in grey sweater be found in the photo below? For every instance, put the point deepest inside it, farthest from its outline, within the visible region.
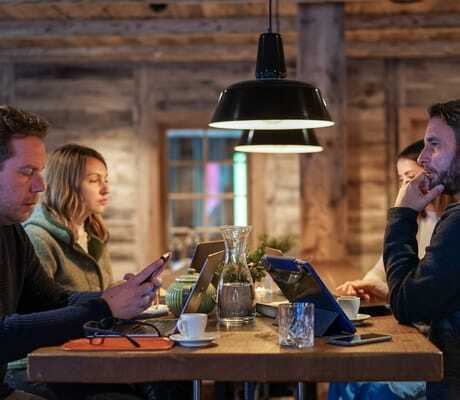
(34, 311)
(428, 289)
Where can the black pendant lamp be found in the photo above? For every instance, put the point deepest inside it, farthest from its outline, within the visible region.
(271, 102)
(283, 142)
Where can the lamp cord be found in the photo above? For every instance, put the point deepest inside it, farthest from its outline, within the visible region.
(269, 16)
(277, 15)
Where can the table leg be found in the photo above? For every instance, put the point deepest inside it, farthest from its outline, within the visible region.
(249, 389)
(196, 389)
(305, 391)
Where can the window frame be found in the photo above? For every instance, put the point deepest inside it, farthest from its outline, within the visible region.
(205, 230)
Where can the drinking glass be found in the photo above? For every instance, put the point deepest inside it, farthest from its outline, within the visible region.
(296, 324)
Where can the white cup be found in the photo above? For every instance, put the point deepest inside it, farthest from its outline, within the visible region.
(350, 305)
(192, 325)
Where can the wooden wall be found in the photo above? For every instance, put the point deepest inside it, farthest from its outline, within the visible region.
(123, 111)
(92, 106)
(366, 160)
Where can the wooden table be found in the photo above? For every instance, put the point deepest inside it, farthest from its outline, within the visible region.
(252, 353)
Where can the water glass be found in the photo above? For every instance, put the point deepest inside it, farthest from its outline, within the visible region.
(296, 324)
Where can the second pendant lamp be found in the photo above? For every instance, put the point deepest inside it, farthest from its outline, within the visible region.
(281, 142)
(271, 102)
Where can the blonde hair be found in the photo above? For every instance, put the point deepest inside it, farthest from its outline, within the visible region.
(64, 174)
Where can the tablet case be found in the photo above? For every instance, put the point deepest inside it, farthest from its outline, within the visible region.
(120, 343)
(299, 282)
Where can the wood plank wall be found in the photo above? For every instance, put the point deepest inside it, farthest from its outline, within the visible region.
(366, 160)
(92, 106)
(96, 105)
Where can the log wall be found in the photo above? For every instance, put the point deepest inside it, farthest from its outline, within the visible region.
(98, 105)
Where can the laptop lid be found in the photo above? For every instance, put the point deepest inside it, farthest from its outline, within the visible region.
(299, 282)
(202, 250)
(168, 326)
(204, 280)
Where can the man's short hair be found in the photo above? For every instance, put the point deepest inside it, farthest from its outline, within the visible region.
(450, 113)
(18, 123)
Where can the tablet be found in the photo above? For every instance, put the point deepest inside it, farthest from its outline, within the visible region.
(299, 282)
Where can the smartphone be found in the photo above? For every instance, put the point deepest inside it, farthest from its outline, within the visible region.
(165, 257)
(357, 339)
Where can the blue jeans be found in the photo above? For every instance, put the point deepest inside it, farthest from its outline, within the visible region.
(376, 390)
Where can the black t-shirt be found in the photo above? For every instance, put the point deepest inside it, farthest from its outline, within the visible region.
(34, 311)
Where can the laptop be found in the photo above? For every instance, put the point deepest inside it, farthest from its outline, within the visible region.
(202, 250)
(168, 326)
(299, 282)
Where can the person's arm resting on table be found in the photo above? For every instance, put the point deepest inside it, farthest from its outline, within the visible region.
(372, 287)
(49, 315)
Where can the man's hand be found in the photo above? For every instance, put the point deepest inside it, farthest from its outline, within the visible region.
(132, 297)
(415, 193)
(371, 290)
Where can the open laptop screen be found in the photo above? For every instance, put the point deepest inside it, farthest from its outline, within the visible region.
(204, 280)
(167, 326)
(203, 249)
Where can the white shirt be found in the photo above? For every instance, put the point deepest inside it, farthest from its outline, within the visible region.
(82, 238)
(425, 231)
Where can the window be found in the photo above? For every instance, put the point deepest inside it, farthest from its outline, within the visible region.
(207, 186)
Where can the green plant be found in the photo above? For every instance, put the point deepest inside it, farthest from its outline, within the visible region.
(282, 243)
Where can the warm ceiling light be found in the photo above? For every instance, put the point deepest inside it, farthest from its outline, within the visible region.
(405, 1)
(271, 102)
(286, 141)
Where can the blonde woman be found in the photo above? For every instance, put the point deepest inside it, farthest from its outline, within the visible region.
(66, 228)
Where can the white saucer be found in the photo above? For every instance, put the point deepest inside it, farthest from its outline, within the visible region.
(360, 318)
(185, 341)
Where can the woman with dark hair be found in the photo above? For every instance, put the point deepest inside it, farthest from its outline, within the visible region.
(373, 286)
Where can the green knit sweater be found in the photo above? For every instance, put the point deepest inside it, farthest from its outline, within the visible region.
(63, 258)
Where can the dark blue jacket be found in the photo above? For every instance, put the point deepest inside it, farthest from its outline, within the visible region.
(428, 289)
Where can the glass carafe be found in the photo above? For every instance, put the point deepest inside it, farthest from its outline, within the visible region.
(235, 292)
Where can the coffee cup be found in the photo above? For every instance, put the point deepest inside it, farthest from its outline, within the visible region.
(192, 325)
(350, 305)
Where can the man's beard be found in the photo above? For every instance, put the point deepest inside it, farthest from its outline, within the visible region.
(450, 178)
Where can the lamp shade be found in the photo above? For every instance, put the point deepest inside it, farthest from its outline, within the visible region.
(271, 104)
(276, 141)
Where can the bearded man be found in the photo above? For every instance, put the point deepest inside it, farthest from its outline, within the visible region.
(429, 289)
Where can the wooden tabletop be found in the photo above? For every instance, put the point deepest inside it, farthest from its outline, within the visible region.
(252, 353)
